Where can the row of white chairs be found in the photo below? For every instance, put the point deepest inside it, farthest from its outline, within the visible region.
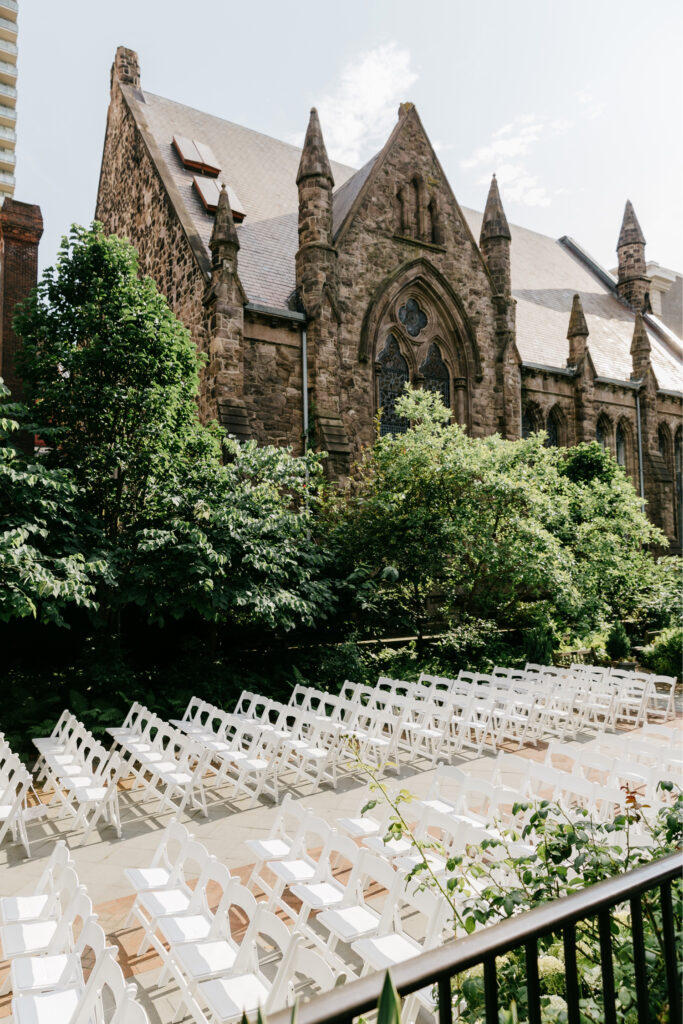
(219, 977)
(19, 803)
(47, 956)
(82, 774)
(165, 762)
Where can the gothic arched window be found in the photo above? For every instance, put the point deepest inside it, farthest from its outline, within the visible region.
(663, 443)
(392, 376)
(622, 446)
(603, 432)
(436, 375)
(554, 428)
(530, 419)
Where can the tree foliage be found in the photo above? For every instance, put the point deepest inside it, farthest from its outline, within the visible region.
(42, 568)
(186, 520)
(515, 532)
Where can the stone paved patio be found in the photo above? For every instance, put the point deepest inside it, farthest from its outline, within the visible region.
(100, 862)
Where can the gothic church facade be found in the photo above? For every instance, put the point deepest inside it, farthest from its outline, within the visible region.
(316, 291)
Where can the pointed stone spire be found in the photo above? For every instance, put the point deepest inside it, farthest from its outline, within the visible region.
(494, 242)
(314, 162)
(640, 349)
(494, 224)
(224, 231)
(578, 328)
(633, 284)
(631, 232)
(577, 332)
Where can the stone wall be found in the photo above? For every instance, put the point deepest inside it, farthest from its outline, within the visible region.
(21, 225)
(133, 203)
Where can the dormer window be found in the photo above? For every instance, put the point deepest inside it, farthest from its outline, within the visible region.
(209, 189)
(196, 155)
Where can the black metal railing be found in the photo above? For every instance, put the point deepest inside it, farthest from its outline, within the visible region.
(439, 966)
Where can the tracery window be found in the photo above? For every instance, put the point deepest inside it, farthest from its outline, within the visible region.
(436, 375)
(392, 376)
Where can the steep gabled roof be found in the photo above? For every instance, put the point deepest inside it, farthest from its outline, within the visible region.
(262, 172)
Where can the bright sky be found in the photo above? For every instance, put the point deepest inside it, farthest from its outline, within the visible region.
(577, 106)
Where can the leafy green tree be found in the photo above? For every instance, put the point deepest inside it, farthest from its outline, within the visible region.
(514, 532)
(111, 376)
(190, 522)
(43, 574)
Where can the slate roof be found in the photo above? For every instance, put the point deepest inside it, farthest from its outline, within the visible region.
(262, 171)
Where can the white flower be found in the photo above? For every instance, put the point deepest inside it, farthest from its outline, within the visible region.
(550, 965)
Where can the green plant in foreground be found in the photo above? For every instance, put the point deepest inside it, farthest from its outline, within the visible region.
(566, 851)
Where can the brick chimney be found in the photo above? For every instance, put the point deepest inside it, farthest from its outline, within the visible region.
(21, 225)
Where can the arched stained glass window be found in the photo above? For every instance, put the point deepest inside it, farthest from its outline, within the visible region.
(663, 442)
(529, 420)
(621, 445)
(392, 376)
(436, 375)
(601, 432)
(552, 429)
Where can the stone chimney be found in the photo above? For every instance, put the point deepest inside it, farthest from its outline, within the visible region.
(577, 333)
(494, 241)
(633, 284)
(126, 68)
(21, 225)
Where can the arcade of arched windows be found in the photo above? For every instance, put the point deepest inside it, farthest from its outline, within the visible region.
(552, 420)
(417, 212)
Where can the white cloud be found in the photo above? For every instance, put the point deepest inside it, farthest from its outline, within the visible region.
(357, 115)
(506, 154)
(591, 108)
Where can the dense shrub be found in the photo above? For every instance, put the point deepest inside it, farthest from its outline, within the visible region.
(665, 654)
(618, 645)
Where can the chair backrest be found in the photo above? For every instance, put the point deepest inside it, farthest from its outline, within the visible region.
(309, 966)
(92, 937)
(169, 852)
(263, 923)
(241, 907)
(80, 908)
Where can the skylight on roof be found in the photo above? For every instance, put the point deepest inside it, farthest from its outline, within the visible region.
(209, 190)
(196, 155)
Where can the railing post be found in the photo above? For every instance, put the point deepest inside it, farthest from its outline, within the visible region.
(607, 965)
(491, 990)
(670, 949)
(571, 979)
(445, 1001)
(640, 969)
(533, 987)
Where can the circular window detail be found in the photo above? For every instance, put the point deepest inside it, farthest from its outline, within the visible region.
(412, 318)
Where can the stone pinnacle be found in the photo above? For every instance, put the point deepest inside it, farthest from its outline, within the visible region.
(224, 230)
(494, 224)
(631, 232)
(314, 162)
(578, 328)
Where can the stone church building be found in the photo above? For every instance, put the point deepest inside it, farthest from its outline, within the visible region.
(317, 290)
